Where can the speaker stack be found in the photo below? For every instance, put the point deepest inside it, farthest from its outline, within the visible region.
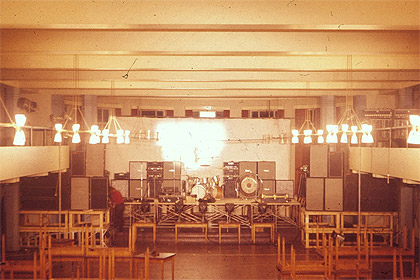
(266, 171)
(171, 183)
(138, 179)
(230, 179)
(324, 187)
(154, 178)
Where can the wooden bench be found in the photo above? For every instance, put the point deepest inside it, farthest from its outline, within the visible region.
(190, 225)
(262, 225)
(229, 225)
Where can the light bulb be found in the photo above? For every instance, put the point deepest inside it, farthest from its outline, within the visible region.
(120, 136)
(332, 133)
(20, 119)
(58, 126)
(295, 134)
(415, 120)
(320, 136)
(75, 127)
(76, 138)
(105, 138)
(307, 139)
(20, 138)
(127, 137)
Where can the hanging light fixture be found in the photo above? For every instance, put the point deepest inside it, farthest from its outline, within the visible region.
(414, 135)
(349, 120)
(123, 136)
(20, 138)
(59, 129)
(94, 135)
(76, 136)
(307, 129)
(20, 120)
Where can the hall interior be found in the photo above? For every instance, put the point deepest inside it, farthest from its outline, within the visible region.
(226, 125)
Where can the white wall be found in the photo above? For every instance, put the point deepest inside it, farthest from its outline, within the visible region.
(243, 141)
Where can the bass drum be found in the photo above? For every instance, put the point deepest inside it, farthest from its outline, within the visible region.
(248, 186)
(199, 191)
(216, 192)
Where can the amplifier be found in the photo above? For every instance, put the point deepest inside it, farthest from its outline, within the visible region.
(122, 176)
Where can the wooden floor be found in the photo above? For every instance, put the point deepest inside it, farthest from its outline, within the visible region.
(197, 260)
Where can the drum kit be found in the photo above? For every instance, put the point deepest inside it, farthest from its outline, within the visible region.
(203, 188)
(248, 187)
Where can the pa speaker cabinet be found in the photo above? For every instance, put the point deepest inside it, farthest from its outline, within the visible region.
(79, 193)
(333, 194)
(138, 170)
(318, 161)
(99, 193)
(268, 187)
(229, 190)
(247, 167)
(171, 186)
(285, 187)
(171, 170)
(138, 188)
(154, 187)
(335, 165)
(266, 170)
(95, 160)
(121, 186)
(78, 164)
(315, 194)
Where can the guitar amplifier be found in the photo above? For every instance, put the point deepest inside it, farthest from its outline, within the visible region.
(122, 176)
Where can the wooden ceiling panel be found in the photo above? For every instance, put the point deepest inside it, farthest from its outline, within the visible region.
(210, 47)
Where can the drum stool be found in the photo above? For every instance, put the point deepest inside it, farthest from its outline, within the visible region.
(262, 225)
(190, 225)
(229, 225)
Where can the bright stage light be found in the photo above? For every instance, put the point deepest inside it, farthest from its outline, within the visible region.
(195, 143)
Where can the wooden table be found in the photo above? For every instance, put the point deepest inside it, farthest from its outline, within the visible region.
(190, 225)
(142, 225)
(158, 258)
(229, 225)
(262, 225)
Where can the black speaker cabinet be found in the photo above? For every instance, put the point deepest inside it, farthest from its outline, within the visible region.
(318, 161)
(268, 187)
(315, 194)
(171, 187)
(247, 167)
(121, 186)
(78, 164)
(171, 170)
(138, 170)
(335, 164)
(154, 187)
(229, 190)
(99, 193)
(266, 170)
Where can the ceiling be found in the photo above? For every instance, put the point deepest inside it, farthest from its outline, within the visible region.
(210, 48)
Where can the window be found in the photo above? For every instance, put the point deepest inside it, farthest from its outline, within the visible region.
(103, 115)
(277, 114)
(196, 113)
